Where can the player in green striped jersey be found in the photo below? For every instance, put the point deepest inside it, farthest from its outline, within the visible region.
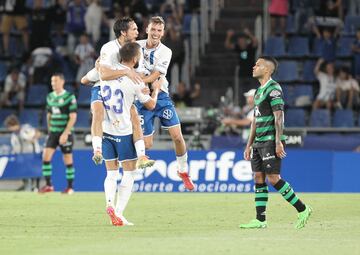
(61, 107)
(265, 147)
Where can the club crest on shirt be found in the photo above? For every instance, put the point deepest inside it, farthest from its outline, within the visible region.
(275, 93)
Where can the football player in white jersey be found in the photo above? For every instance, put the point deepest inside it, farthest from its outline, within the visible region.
(118, 97)
(157, 58)
(126, 31)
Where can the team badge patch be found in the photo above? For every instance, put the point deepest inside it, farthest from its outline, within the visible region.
(167, 114)
(275, 93)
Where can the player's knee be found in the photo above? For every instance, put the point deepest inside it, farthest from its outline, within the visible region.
(273, 179)
(259, 178)
(148, 143)
(177, 138)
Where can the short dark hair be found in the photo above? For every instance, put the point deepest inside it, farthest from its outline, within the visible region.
(272, 60)
(122, 25)
(129, 51)
(60, 75)
(11, 120)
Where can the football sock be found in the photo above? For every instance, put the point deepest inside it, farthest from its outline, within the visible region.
(70, 175)
(110, 185)
(47, 172)
(182, 162)
(140, 148)
(124, 191)
(288, 193)
(261, 199)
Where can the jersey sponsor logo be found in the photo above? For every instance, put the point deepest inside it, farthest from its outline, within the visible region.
(268, 157)
(117, 140)
(275, 93)
(167, 114)
(55, 110)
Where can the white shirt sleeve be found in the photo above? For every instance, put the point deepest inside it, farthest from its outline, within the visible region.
(142, 97)
(105, 55)
(163, 62)
(93, 75)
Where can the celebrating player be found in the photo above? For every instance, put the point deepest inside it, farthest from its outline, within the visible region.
(156, 61)
(61, 117)
(126, 31)
(265, 146)
(119, 95)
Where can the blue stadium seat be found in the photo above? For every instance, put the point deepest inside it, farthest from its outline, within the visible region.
(83, 118)
(316, 47)
(290, 24)
(84, 95)
(30, 116)
(69, 87)
(343, 118)
(295, 118)
(287, 71)
(320, 118)
(303, 95)
(304, 90)
(289, 94)
(344, 46)
(3, 71)
(36, 94)
(298, 46)
(275, 46)
(308, 71)
(352, 23)
(3, 114)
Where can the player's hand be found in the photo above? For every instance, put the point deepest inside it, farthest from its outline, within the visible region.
(157, 84)
(247, 153)
(63, 138)
(280, 151)
(134, 76)
(146, 91)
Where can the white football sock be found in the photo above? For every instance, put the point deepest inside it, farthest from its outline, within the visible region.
(96, 143)
(124, 191)
(182, 162)
(110, 186)
(140, 148)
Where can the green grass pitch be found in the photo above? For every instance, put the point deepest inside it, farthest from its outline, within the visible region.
(190, 223)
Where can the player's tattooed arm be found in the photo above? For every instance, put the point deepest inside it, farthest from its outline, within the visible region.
(251, 139)
(279, 130)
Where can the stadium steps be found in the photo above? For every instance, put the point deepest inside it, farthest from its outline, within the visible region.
(217, 65)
